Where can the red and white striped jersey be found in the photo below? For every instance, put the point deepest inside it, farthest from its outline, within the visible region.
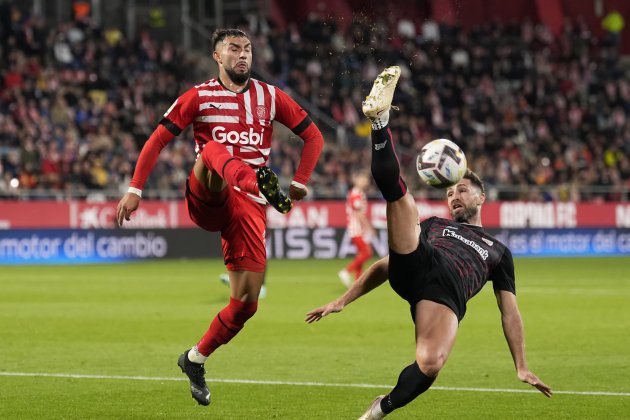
(242, 121)
(355, 203)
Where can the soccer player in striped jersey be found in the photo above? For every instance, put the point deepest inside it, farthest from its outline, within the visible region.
(359, 228)
(436, 266)
(227, 190)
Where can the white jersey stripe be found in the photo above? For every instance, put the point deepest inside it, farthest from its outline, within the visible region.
(272, 112)
(247, 98)
(216, 93)
(217, 118)
(208, 83)
(256, 161)
(217, 105)
(264, 152)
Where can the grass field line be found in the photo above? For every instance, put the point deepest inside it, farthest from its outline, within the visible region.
(298, 383)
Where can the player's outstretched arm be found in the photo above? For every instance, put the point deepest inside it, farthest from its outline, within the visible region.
(313, 145)
(371, 278)
(146, 161)
(514, 334)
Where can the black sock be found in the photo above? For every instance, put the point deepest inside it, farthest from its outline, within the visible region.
(411, 383)
(385, 166)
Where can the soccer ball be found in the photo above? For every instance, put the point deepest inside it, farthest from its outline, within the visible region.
(441, 163)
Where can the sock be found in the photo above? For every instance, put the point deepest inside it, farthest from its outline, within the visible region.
(196, 357)
(411, 383)
(233, 170)
(364, 253)
(385, 166)
(379, 122)
(226, 325)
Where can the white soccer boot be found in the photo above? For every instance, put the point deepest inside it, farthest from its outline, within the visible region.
(374, 412)
(345, 277)
(377, 104)
(224, 278)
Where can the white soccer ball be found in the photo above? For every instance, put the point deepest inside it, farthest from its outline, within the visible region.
(441, 163)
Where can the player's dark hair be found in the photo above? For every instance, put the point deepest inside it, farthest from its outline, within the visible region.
(220, 34)
(474, 178)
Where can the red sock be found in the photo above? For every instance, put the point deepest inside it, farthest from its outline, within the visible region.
(226, 325)
(233, 170)
(363, 254)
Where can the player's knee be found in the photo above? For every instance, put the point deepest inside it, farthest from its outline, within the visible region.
(431, 362)
(246, 312)
(210, 152)
(236, 314)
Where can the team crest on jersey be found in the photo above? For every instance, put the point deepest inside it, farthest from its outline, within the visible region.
(488, 241)
(261, 112)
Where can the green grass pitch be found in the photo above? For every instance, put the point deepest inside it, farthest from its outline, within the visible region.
(112, 322)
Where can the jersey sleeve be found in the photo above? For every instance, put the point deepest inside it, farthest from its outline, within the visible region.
(182, 112)
(289, 113)
(503, 274)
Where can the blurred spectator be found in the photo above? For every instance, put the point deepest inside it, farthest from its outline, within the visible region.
(539, 117)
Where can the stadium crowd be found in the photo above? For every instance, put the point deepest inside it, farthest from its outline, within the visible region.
(529, 109)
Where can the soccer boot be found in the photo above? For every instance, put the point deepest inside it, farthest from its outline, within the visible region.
(270, 189)
(374, 412)
(195, 372)
(380, 98)
(346, 278)
(224, 278)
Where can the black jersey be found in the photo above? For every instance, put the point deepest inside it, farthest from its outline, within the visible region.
(452, 263)
(471, 255)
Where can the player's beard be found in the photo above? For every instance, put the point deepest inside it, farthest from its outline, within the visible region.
(238, 78)
(466, 215)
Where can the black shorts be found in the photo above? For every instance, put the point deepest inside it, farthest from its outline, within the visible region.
(421, 275)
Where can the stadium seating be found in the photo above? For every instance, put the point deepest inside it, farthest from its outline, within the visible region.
(539, 117)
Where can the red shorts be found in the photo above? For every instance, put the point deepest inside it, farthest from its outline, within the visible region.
(240, 220)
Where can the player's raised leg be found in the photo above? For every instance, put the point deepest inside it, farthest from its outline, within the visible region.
(218, 163)
(217, 167)
(401, 207)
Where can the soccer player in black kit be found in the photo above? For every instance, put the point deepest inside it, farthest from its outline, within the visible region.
(436, 265)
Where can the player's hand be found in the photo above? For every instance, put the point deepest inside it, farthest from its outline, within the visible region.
(127, 205)
(529, 378)
(296, 192)
(322, 311)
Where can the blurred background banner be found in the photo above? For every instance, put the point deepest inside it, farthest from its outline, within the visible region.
(69, 246)
(72, 246)
(321, 213)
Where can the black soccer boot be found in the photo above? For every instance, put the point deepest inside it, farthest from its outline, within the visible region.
(195, 371)
(269, 187)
